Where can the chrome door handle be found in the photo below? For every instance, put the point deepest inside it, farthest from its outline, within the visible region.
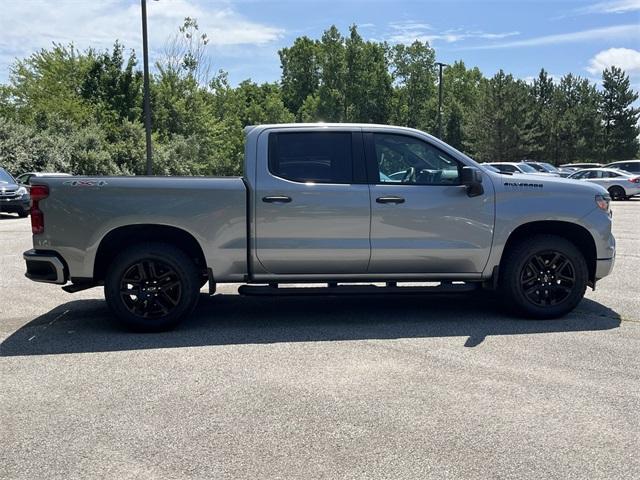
(390, 199)
(276, 199)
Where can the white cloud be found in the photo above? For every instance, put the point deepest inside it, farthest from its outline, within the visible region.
(408, 32)
(624, 58)
(32, 24)
(615, 32)
(614, 6)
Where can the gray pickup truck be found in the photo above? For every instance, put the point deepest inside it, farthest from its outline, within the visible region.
(334, 204)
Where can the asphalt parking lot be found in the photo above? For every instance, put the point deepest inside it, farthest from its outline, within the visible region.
(344, 387)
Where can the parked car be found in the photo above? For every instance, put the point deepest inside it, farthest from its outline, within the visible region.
(631, 166)
(545, 167)
(621, 185)
(581, 166)
(316, 204)
(25, 178)
(566, 171)
(519, 167)
(14, 198)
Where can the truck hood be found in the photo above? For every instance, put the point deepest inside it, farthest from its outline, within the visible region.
(552, 183)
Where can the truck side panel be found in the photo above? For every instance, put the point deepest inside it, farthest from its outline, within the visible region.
(80, 212)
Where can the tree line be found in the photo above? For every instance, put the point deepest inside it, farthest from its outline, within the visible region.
(81, 111)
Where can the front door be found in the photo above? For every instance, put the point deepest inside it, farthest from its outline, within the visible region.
(422, 220)
(311, 215)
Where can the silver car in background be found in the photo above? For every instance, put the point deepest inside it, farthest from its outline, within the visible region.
(620, 184)
(518, 167)
(581, 166)
(545, 167)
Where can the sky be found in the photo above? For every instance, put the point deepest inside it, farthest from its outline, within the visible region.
(520, 37)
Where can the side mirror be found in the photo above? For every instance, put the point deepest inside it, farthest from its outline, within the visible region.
(472, 179)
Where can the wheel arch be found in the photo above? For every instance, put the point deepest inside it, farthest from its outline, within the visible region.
(125, 236)
(576, 234)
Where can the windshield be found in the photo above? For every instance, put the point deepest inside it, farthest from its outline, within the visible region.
(5, 177)
(537, 167)
(526, 168)
(549, 167)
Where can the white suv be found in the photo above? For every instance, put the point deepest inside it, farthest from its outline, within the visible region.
(631, 166)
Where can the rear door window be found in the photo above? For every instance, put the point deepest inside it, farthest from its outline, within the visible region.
(318, 157)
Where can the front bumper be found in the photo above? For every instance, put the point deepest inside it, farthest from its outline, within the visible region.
(633, 191)
(15, 205)
(604, 266)
(45, 266)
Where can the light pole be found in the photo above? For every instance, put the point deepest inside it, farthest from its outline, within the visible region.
(147, 101)
(440, 66)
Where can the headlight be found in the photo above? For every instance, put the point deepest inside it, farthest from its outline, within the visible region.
(603, 202)
(22, 192)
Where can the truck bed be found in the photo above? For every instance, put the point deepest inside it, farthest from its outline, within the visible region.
(81, 211)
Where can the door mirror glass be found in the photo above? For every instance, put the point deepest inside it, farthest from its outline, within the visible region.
(472, 179)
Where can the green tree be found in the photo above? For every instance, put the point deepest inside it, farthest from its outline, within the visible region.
(368, 83)
(619, 115)
(498, 130)
(113, 86)
(460, 100)
(414, 76)
(46, 84)
(543, 119)
(331, 93)
(300, 72)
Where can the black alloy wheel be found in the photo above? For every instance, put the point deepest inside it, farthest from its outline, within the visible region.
(150, 289)
(543, 276)
(547, 278)
(152, 286)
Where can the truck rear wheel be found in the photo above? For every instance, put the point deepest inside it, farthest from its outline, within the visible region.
(152, 286)
(544, 276)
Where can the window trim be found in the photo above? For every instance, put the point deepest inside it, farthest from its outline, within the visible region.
(373, 172)
(358, 167)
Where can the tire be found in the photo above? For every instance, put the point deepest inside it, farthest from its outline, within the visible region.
(550, 294)
(163, 285)
(23, 214)
(617, 193)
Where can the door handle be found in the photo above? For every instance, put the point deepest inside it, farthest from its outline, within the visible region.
(390, 199)
(276, 199)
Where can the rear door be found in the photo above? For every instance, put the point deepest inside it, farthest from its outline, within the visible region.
(422, 220)
(312, 209)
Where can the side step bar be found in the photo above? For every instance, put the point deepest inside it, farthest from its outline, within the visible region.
(333, 289)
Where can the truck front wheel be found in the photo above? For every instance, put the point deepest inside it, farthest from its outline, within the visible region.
(544, 276)
(152, 286)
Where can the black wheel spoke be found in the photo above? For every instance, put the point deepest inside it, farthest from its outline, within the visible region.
(169, 286)
(531, 290)
(150, 289)
(547, 278)
(164, 296)
(141, 272)
(160, 305)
